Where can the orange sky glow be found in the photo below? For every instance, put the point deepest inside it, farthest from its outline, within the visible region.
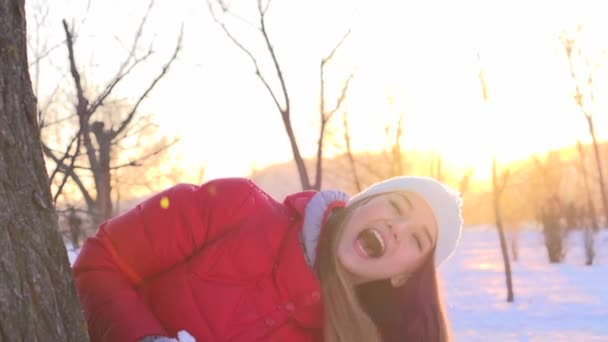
(421, 56)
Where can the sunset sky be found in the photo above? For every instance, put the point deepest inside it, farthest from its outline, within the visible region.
(422, 55)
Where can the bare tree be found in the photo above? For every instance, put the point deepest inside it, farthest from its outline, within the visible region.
(588, 218)
(99, 132)
(38, 301)
(548, 173)
(349, 154)
(436, 168)
(280, 95)
(499, 182)
(585, 98)
(439, 171)
(498, 186)
(327, 113)
(465, 180)
(390, 162)
(395, 151)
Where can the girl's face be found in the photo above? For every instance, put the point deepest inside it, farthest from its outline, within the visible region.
(387, 237)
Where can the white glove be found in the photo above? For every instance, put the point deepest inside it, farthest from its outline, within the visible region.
(182, 336)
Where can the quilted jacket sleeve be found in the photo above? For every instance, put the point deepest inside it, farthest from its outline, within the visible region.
(158, 234)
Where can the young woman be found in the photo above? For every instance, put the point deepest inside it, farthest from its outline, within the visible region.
(225, 261)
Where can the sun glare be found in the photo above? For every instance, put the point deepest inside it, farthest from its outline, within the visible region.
(411, 60)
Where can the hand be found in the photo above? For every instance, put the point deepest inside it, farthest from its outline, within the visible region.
(182, 336)
(157, 339)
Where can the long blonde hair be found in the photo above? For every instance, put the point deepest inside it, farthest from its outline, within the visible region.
(354, 313)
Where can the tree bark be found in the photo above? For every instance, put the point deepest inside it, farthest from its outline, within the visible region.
(598, 162)
(38, 300)
(497, 193)
(102, 176)
(591, 225)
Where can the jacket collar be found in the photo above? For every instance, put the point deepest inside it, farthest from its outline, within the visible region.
(297, 283)
(316, 215)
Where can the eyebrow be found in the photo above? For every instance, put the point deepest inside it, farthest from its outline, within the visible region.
(428, 234)
(407, 200)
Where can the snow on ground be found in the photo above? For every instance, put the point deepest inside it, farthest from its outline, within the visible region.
(553, 302)
(72, 252)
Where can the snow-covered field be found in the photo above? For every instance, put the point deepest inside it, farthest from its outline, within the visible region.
(553, 302)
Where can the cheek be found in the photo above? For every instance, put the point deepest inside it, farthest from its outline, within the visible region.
(407, 258)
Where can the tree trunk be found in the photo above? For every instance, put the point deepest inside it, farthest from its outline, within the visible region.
(103, 178)
(501, 232)
(349, 154)
(38, 301)
(590, 226)
(302, 172)
(600, 172)
(515, 245)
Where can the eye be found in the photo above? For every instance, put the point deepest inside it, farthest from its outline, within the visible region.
(417, 240)
(396, 206)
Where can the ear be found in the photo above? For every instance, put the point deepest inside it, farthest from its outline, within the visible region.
(399, 279)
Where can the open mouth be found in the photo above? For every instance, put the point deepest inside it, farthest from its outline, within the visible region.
(371, 243)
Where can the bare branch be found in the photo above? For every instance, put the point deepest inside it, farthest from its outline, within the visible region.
(569, 44)
(82, 101)
(464, 181)
(283, 109)
(78, 167)
(82, 105)
(341, 98)
(59, 121)
(333, 52)
(43, 55)
(163, 72)
(70, 166)
(133, 130)
(482, 79)
(349, 153)
(61, 161)
(238, 17)
(40, 17)
(255, 62)
(275, 61)
(44, 107)
(110, 86)
(264, 8)
(325, 115)
(85, 193)
(125, 68)
(138, 161)
(138, 35)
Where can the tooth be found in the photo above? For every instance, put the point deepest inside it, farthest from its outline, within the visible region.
(379, 237)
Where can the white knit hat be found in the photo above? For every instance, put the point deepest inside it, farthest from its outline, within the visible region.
(444, 201)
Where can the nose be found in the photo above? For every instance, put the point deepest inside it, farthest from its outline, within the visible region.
(401, 226)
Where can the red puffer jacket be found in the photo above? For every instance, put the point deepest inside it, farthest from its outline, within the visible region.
(222, 260)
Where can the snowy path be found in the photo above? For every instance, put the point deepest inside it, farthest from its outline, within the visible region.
(565, 302)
